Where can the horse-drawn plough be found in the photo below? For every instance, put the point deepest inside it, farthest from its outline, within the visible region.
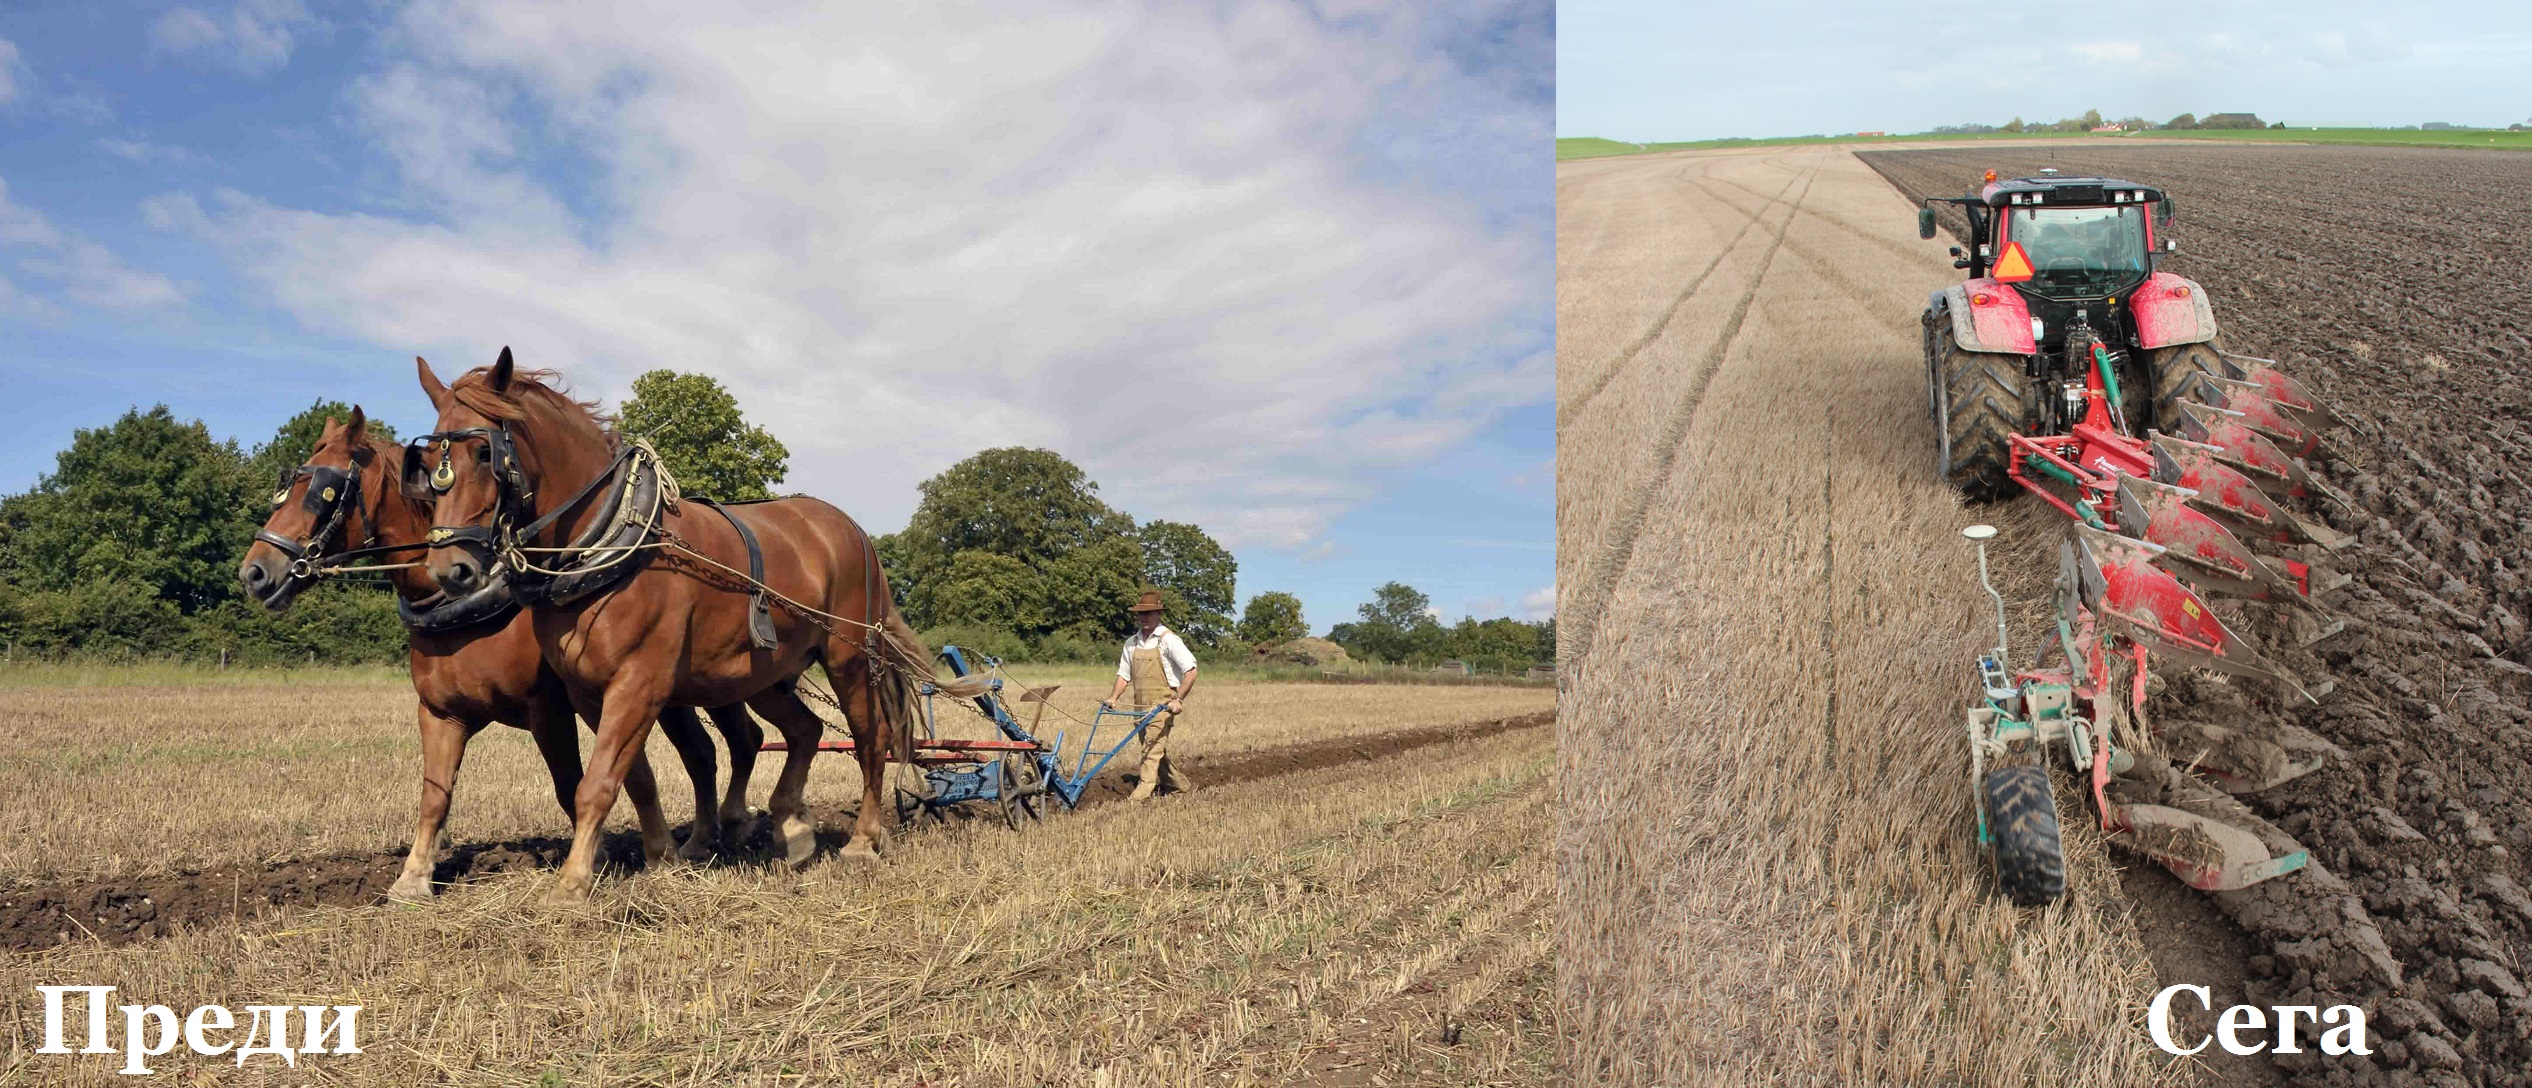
(1016, 774)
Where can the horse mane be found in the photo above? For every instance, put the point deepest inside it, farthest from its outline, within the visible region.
(532, 393)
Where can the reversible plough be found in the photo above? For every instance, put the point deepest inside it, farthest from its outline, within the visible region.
(2174, 460)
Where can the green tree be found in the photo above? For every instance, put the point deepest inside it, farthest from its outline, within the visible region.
(1089, 588)
(2186, 120)
(1031, 505)
(290, 446)
(146, 501)
(2014, 125)
(1273, 616)
(1503, 645)
(1036, 509)
(982, 589)
(1397, 625)
(696, 426)
(1196, 576)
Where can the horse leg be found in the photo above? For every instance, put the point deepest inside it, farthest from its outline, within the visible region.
(744, 736)
(801, 728)
(870, 750)
(658, 843)
(694, 749)
(624, 723)
(443, 748)
(557, 733)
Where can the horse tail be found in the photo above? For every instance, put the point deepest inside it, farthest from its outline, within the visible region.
(908, 664)
(913, 658)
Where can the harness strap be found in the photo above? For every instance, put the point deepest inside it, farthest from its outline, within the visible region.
(442, 615)
(760, 618)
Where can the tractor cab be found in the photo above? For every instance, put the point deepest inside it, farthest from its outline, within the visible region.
(2060, 238)
(2063, 294)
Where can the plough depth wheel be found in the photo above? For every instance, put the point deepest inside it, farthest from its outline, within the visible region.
(2030, 857)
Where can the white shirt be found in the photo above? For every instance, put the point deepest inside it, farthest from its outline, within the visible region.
(1176, 662)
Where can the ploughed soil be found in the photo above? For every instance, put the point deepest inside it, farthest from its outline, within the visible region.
(120, 912)
(2397, 283)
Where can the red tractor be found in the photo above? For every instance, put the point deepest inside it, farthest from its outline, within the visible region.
(2057, 265)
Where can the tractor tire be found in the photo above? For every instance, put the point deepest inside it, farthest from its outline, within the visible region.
(2174, 373)
(2030, 856)
(1978, 398)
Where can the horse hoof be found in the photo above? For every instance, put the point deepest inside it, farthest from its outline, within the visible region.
(567, 893)
(859, 850)
(411, 890)
(696, 851)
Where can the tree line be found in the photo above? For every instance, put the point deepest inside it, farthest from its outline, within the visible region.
(129, 549)
(2092, 119)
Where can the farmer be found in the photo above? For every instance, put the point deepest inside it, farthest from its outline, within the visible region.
(1157, 666)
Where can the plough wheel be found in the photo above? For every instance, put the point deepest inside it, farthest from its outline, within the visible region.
(1978, 399)
(2030, 858)
(1019, 791)
(2174, 371)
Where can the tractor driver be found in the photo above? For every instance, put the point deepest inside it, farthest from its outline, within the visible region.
(1158, 669)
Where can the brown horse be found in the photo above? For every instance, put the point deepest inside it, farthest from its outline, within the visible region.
(466, 674)
(516, 464)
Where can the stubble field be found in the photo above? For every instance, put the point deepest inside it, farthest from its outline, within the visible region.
(1359, 892)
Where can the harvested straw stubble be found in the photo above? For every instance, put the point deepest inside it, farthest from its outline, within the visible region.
(1225, 937)
(1765, 861)
(307, 766)
(1619, 438)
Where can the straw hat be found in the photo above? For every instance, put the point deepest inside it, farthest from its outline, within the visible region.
(1149, 602)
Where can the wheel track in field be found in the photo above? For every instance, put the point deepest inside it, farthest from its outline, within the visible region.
(1612, 216)
(1609, 371)
(125, 910)
(1600, 580)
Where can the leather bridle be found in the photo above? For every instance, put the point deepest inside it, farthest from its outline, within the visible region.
(513, 495)
(333, 495)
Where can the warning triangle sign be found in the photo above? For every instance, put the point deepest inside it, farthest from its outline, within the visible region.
(2013, 266)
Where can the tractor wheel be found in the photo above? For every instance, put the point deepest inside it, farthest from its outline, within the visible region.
(2174, 371)
(1978, 398)
(2022, 812)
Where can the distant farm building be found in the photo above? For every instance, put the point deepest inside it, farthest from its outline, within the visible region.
(1872, 134)
(2113, 126)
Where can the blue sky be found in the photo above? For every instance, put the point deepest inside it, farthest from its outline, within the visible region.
(1281, 271)
(1648, 71)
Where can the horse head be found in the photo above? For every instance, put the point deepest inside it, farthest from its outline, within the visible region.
(327, 505)
(503, 435)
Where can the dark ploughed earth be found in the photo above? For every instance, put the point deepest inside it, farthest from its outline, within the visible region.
(2397, 283)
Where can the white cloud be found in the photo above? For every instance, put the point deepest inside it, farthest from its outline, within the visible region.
(13, 74)
(87, 273)
(1540, 603)
(144, 152)
(254, 37)
(1151, 240)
